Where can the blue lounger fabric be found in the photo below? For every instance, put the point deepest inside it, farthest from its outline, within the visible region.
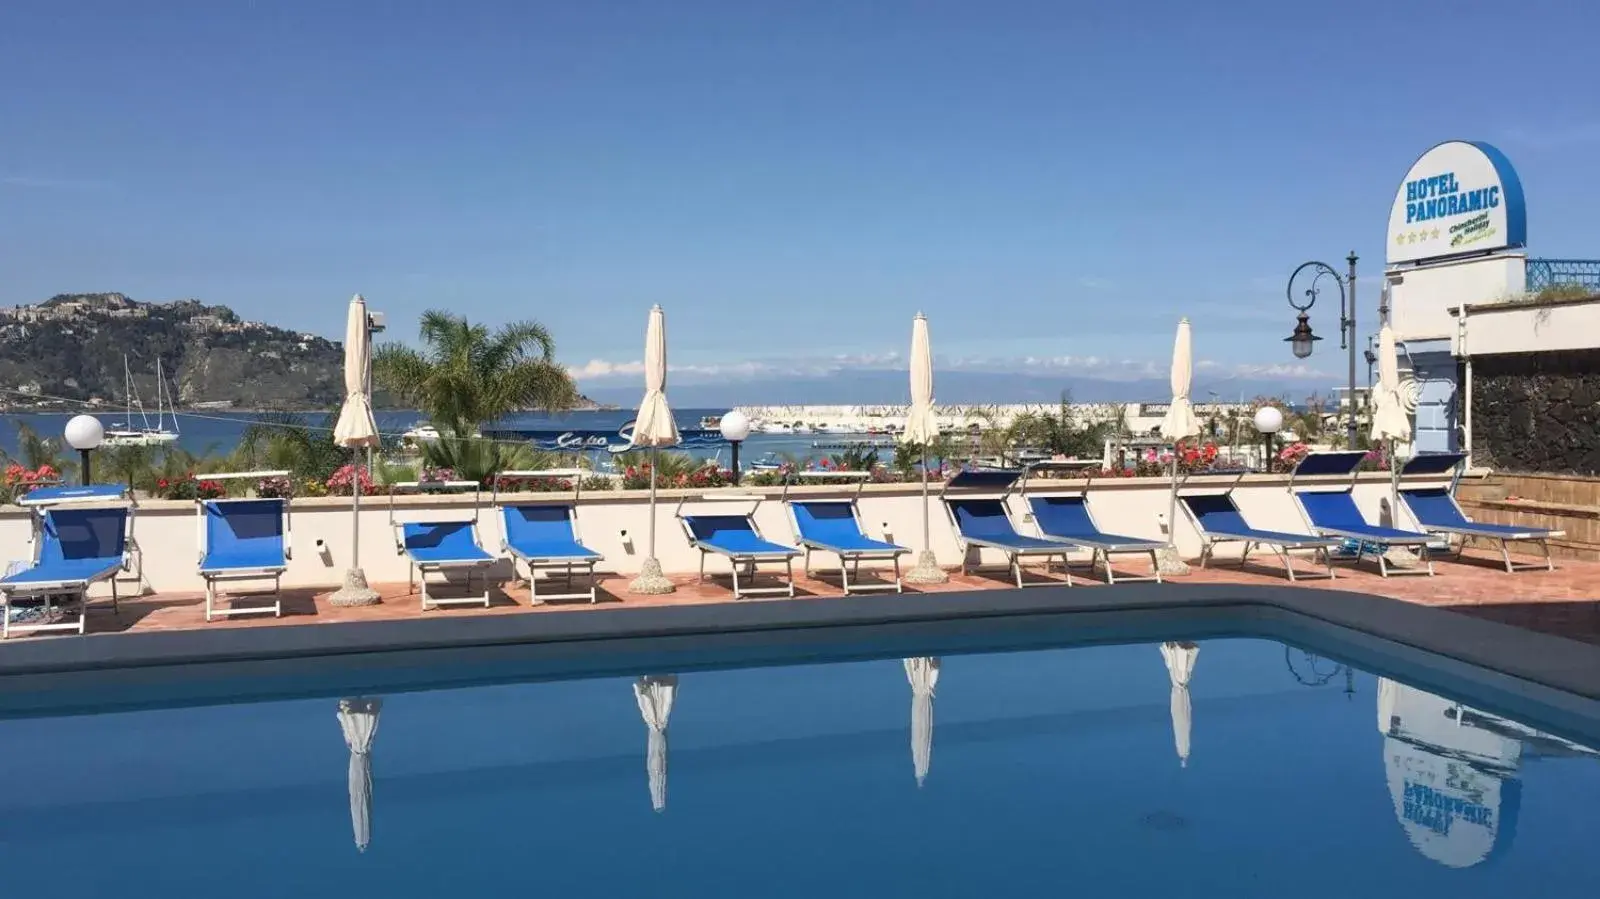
(986, 521)
(78, 546)
(1336, 511)
(443, 543)
(733, 535)
(243, 535)
(1067, 518)
(544, 531)
(831, 525)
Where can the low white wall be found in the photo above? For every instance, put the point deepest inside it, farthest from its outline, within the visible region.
(166, 532)
(1528, 327)
(1421, 298)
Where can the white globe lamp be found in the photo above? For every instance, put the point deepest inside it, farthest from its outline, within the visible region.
(735, 428)
(84, 433)
(1268, 421)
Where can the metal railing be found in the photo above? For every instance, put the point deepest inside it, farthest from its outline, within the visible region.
(1545, 273)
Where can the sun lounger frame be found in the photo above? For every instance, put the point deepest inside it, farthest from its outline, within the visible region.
(40, 501)
(1411, 539)
(1014, 553)
(849, 560)
(417, 571)
(565, 564)
(1100, 551)
(1505, 537)
(259, 573)
(748, 561)
(1321, 546)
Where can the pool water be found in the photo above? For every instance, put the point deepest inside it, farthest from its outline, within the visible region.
(1029, 773)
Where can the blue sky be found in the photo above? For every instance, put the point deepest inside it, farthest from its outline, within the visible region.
(1053, 183)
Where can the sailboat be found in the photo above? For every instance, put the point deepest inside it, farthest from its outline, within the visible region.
(124, 433)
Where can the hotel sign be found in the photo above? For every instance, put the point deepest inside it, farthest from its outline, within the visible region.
(1461, 198)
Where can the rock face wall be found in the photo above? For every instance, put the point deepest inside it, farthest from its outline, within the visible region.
(1537, 412)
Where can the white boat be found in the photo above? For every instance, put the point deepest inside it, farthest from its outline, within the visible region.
(768, 462)
(421, 432)
(125, 433)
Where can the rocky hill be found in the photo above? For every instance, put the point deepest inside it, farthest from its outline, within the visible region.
(72, 346)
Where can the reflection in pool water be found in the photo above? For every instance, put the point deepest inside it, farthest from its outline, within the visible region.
(1055, 772)
(1453, 772)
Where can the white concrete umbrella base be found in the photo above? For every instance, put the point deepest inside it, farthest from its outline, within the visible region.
(355, 591)
(1400, 557)
(1168, 562)
(651, 582)
(927, 570)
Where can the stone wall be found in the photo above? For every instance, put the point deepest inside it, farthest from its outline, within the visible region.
(1537, 412)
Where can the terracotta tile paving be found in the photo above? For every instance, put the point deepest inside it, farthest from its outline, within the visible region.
(1562, 602)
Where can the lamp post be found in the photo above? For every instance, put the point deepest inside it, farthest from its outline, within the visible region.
(1302, 340)
(1268, 421)
(735, 428)
(84, 433)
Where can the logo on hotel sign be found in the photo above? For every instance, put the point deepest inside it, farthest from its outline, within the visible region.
(1460, 198)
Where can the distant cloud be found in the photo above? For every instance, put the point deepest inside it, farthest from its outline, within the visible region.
(1096, 283)
(29, 182)
(1107, 368)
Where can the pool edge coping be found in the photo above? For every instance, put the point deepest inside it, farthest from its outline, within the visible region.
(1549, 661)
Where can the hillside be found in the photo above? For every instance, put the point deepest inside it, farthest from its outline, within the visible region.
(72, 346)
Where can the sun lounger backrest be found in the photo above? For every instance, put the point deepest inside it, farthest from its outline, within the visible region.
(1435, 507)
(710, 528)
(1426, 464)
(825, 521)
(1061, 515)
(1340, 462)
(1334, 509)
(72, 535)
(538, 523)
(244, 525)
(982, 519)
(440, 535)
(1216, 513)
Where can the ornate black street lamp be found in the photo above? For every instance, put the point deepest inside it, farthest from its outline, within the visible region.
(1302, 341)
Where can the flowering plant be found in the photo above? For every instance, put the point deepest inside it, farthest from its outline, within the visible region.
(342, 482)
(435, 475)
(313, 487)
(189, 487)
(1290, 456)
(277, 487)
(17, 480)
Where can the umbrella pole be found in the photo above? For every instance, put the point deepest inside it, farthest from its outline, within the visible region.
(927, 570)
(651, 582)
(355, 591)
(1167, 559)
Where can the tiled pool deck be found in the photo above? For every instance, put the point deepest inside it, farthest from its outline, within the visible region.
(1562, 602)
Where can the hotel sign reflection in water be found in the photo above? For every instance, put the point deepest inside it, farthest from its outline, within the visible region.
(1460, 198)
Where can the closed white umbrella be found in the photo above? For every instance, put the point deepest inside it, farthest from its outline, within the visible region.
(354, 430)
(654, 428)
(1180, 659)
(1179, 425)
(655, 695)
(358, 718)
(1390, 422)
(922, 428)
(923, 673)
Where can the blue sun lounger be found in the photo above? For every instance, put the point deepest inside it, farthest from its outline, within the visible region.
(737, 539)
(1067, 518)
(545, 535)
(834, 526)
(1217, 519)
(81, 536)
(981, 522)
(1436, 511)
(441, 547)
(243, 540)
(1333, 512)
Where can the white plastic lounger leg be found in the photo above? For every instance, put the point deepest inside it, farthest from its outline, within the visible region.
(1248, 545)
(788, 569)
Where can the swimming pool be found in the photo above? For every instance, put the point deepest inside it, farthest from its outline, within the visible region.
(975, 772)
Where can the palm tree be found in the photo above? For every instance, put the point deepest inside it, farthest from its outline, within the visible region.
(467, 376)
(284, 441)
